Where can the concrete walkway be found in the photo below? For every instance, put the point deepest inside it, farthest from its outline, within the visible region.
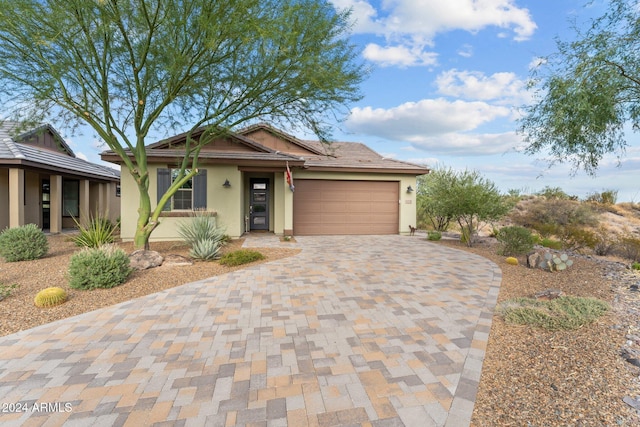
(354, 331)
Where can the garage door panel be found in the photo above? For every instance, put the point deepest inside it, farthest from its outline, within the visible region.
(324, 207)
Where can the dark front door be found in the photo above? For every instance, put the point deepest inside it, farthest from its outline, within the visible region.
(46, 204)
(259, 204)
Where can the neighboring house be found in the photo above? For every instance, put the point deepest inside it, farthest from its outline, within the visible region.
(340, 188)
(43, 182)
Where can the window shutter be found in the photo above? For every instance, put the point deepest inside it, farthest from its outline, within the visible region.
(200, 190)
(164, 182)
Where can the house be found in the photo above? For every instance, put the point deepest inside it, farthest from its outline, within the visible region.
(337, 188)
(43, 182)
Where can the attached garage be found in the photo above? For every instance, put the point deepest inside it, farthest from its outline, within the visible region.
(331, 207)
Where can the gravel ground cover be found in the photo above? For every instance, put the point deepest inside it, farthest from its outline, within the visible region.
(530, 377)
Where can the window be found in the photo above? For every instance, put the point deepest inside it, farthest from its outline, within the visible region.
(192, 195)
(183, 199)
(71, 198)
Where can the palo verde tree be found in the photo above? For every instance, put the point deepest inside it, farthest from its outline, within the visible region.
(588, 91)
(129, 68)
(465, 197)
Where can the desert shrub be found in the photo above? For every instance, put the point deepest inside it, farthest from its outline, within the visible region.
(634, 266)
(242, 256)
(561, 313)
(515, 240)
(204, 236)
(551, 244)
(606, 197)
(605, 242)
(554, 193)
(6, 290)
(577, 238)
(103, 267)
(629, 247)
(23, 243)
(547, 216)
(434, 235)
(99, 231)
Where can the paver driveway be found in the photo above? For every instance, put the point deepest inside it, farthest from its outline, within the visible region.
(370, 331)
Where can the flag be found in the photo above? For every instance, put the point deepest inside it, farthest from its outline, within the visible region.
(289, 178)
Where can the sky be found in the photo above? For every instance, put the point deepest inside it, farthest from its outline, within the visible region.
(446, 80)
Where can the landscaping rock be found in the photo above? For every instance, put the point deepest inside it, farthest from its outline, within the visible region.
(174, 260)
(142, 260)
(533, 259)
(549, 294)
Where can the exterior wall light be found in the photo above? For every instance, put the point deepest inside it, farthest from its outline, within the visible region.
(226, 184)
(409, 189)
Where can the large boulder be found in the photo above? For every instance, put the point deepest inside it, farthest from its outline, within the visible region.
(534, 259)
(142, 260)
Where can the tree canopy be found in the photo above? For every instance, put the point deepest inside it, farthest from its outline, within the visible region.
(588, 91)
(465, 197)
(129, 68)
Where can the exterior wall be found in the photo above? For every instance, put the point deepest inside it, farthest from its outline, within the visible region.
(407, 202)
(32, 205)
(4, 199)
(226, 202)
(275, 142)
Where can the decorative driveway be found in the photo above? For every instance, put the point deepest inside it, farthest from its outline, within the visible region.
(353, 331)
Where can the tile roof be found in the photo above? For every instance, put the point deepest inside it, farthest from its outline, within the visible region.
(14, 152)
(355, 155)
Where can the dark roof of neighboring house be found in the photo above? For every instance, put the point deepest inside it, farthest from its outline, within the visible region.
(16, 153)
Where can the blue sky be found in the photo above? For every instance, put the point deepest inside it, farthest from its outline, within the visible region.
(447, 77)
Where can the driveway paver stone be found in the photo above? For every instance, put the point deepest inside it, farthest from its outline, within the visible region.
(355, 330)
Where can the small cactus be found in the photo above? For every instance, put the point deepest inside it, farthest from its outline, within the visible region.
(511, 260)
(552, 262)
(50, 296)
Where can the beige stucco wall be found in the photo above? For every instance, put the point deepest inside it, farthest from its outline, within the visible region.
(4, 199)
(407, 202)
(227, 202)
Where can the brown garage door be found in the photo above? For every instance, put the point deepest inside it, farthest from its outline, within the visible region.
(345, 207)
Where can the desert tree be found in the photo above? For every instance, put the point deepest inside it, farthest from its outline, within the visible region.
(466, 197)
(131, 69)
(588, 91)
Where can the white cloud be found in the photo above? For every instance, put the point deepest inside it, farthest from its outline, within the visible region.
(82, 156)
(466, 51)
(463, 144)
(415, 23)
(415, 121)
(505, 87)
(398, 55)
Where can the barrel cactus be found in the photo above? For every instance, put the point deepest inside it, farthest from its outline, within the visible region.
(50, 296)
(511, 260)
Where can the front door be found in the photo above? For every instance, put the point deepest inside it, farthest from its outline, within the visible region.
(259, 204)
(46, 204)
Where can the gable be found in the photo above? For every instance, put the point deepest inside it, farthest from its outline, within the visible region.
(224, 144)
(47, 138)
(277, 143)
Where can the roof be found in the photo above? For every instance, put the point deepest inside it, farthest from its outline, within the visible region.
(16, 153)
(356, 155)
(335, 156)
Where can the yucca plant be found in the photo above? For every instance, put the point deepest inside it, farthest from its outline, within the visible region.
(204, 236)
(99, 231)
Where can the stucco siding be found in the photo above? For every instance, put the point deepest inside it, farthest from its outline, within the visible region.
(4, 199)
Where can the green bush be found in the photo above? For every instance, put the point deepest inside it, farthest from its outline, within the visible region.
(605, 242)
(551, 244)
(103, 267)
(23, 243)
(576, 238)
(242, 256)
(98, 232)
(554, 193)
(550, 216)
(204, 236)
(635, 266)
(434, 235)
(515, 240)
(607, 197)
